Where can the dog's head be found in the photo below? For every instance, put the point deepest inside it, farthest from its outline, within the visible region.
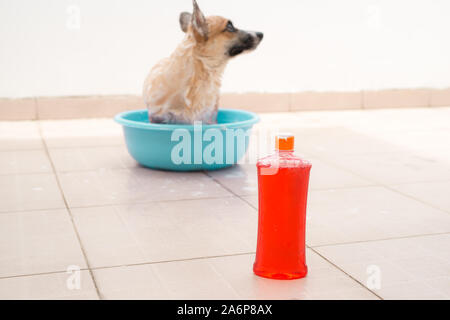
(216, 37)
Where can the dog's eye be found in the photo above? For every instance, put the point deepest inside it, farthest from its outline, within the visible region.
(230, 27)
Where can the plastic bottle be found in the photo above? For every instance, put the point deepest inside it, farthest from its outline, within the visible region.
(283, 191)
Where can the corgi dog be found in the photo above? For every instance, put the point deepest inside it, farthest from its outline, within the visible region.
(185, 87)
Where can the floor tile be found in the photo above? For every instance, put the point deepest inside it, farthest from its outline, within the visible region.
(434, 193)
(240, 179)
(432, 144)
(371, 213)
(375, 122)
(134, 220)
(164, 231)
(418, 140)
(395, 168)
(47, 287)
(411, 268)
(82, 133)
(29, 192)
(135, 185)
(323, 281)
(243, 180)
(225, 278)
(37, 242)
(20, 136)
(24, 161)
(187, 280)
(252, 200)
(439, 154)
(325, 176)
(338, 141)
(85, 159)
(130, 283)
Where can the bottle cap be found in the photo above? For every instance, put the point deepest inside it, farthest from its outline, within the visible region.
(285, 142)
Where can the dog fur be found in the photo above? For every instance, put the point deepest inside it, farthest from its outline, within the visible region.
(185, 87)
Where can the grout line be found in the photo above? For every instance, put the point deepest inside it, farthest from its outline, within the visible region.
(229, 190)
(23, 149)
(350, 276)
(370, 181)
(149, 202)
(417, 199)
(31, 210)
(312, 248)
(224, 280)
(233, 194)
(38, 274)
(365, 186)
(131, 265)
(384, 239)
(120, 204)
(386, 186)
(343, 188)
(174, 260)
(26, 173)
(75, 147)
(249, 203)
(70, 214)
(416, 182)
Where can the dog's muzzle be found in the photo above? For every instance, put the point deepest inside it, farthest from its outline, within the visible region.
(247, 41)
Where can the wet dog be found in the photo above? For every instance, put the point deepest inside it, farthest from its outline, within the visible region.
(185, 87)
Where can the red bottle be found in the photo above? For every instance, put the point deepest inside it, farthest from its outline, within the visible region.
(283, 192)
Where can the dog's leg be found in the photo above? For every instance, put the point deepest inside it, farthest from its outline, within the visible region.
(168, 118)
(213, 118)
(159, 119)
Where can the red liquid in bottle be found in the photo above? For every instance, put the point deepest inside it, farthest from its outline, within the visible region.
(283, 192)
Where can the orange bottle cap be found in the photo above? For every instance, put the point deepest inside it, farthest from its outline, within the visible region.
(285, 142)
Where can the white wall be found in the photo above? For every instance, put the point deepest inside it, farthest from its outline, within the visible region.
(321, 45)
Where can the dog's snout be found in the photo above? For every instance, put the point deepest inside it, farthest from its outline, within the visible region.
(248, 39)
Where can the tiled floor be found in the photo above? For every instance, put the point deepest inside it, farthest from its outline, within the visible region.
(79, 219)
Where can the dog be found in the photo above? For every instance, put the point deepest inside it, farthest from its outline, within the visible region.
(185, 88)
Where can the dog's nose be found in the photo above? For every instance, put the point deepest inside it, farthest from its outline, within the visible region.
(260, 35)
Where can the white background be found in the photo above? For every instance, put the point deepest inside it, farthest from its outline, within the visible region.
(319, 45)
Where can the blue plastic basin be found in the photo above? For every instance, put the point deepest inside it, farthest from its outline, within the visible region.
(188, 147)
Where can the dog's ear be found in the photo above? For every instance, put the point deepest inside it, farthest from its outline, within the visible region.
(199, 24)
(185, 21)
